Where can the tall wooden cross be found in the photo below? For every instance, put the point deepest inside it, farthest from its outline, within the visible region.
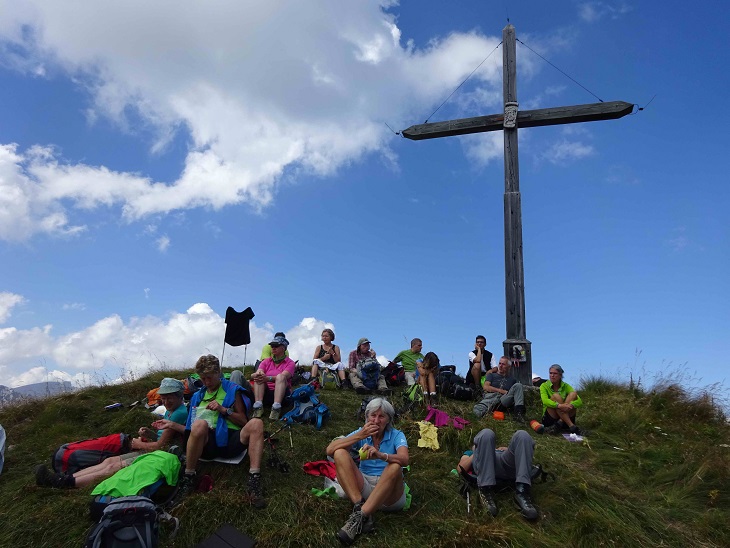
(516, 345)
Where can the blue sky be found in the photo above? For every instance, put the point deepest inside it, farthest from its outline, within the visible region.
(162, 161)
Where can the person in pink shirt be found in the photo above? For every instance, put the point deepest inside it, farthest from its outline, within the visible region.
(272, 380)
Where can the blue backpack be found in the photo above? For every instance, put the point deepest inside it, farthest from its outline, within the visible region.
(307, 408)
(370, 369)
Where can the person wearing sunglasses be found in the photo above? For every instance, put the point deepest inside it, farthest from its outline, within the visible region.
(272, 380)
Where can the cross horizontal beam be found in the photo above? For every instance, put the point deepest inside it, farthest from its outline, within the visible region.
(525, 118)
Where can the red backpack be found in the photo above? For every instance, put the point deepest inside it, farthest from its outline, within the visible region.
(72, 457)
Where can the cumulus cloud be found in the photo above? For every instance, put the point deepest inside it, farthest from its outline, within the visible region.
(74, 306)
(7, 302)
(112, 347)
(163, 242)
(569, 147)
(594, 11)
(257, 87)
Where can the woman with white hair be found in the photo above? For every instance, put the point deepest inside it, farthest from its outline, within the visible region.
(377, 482)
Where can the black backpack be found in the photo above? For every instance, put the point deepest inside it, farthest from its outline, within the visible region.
(126, 522)
(394, 375)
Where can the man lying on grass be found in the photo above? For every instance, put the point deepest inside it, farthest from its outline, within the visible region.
(377, 482)
(511, 464)
(166, 431)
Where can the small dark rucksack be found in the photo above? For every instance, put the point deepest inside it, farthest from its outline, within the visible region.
(75, 456)
(394, 375)
(126, 522)
(462, 391)
(454, 386)
(443, 378)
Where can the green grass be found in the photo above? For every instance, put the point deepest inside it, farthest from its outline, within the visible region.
(654, 472)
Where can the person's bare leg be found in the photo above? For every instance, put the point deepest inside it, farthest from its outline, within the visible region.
(476, 374)
(93, 474)
(196, 443)
(252, 435)
(387, 491)
(348, 475)
(280, 388)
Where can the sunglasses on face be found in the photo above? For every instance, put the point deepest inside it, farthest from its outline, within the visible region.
(274, 345)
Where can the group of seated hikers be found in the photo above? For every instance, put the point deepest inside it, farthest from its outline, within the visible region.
(225, 418)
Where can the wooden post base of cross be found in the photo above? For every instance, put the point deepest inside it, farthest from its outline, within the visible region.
(519, 351)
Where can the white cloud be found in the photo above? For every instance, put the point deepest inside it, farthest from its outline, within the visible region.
(74, 306)
(112, 347)
(7, 302)
(594, 11)
(311, 95)
(163, 242)
(569, 147)
(679, 240)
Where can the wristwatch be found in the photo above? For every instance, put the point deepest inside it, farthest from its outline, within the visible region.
(229, 411)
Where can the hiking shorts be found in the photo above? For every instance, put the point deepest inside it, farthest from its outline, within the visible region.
(411, 377)
(369, 484)
(233, 447)
(129, 458)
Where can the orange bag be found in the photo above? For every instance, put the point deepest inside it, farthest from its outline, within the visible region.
(153, 397)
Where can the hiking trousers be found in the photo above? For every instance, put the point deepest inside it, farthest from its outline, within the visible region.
(514, 396)
(514, 464)
(356, 381)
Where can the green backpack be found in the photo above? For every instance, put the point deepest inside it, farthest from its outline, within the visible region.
(413, 394)
(328, 380)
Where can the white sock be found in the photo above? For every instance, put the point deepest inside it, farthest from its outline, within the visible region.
(258, 404)
(276, 406)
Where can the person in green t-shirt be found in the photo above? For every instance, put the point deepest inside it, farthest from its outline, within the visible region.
(410, 360)
(266, 350)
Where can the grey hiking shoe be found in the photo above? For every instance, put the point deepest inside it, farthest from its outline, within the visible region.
(275, 414)
(258, 412)
(188, 483)
(486, 495)
(523, 500)
(45, 478)
(256, 491)
(356, 524)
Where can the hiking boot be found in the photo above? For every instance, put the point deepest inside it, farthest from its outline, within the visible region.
(523, 500)
(357, 523)
(362, 390)
(486, 495)
(258, 412)
(187, 486)
(560, 425)
(275, 414)
(575, 430)
(256, 491)
(519, 414)
(45, 478)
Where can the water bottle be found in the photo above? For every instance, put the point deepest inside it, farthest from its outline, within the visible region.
(537, 426)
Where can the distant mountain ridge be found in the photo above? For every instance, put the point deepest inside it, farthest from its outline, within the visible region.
(33, 391)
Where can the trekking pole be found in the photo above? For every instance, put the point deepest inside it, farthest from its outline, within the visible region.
(267, 438)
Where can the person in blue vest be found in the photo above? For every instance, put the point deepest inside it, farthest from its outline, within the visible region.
(219, 426)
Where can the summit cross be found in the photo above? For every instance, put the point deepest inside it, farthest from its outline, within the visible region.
(516, 346)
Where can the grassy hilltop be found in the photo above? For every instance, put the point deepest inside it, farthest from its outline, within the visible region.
(655, 471)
